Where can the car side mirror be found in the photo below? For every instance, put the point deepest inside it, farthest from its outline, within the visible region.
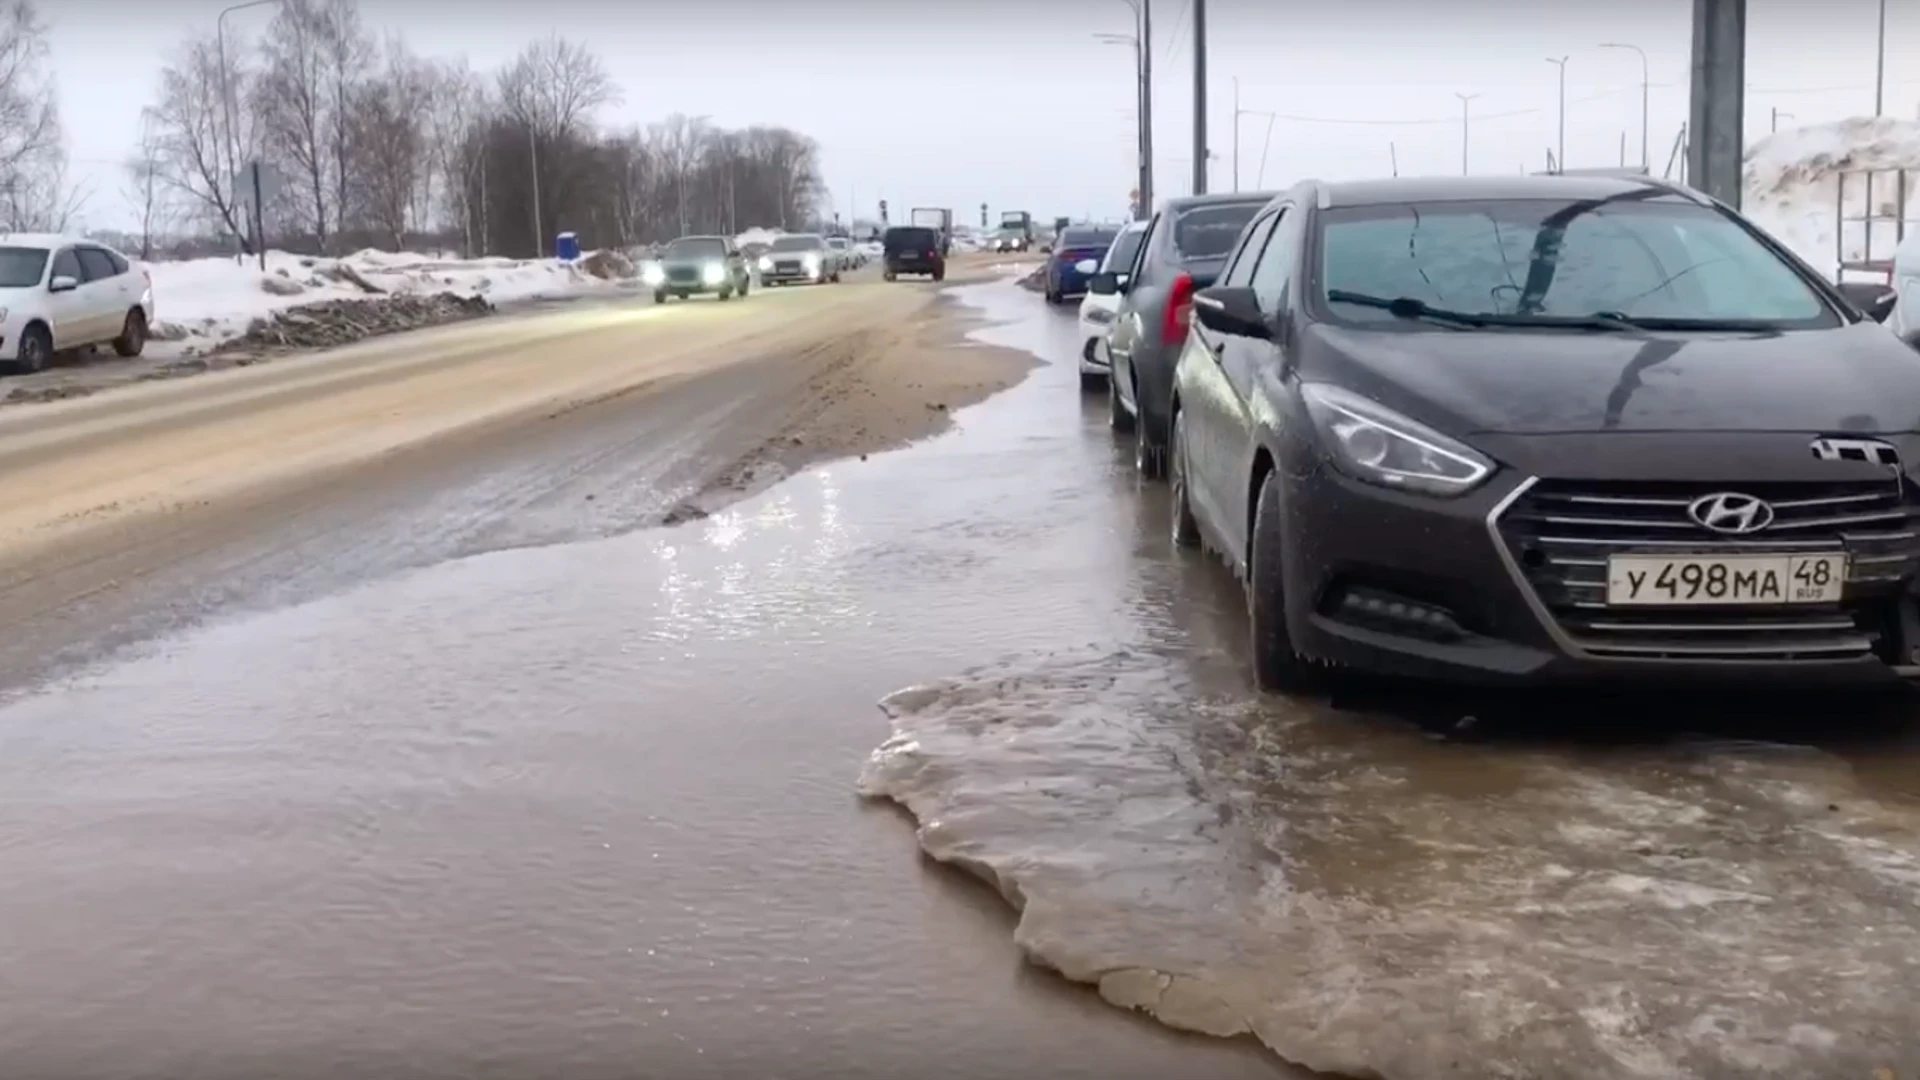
(1876, 301)
(1087, 266)
(1105, 284)
(1231, 309)
(63, 283)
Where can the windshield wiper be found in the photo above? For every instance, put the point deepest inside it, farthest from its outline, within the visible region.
(1410, 307)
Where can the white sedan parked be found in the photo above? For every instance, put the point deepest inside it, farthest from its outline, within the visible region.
(61, 292)
(1097, 312)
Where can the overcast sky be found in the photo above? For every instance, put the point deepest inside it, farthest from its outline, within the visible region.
(1016, 104)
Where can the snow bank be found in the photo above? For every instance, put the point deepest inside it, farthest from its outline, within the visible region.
(206, 301)
(1792, 187)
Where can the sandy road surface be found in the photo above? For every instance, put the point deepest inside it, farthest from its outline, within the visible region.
(128, 511)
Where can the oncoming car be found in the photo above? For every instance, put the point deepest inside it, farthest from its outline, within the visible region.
(1548, 429)
(59, 293)
(804, 258)
(699, 264)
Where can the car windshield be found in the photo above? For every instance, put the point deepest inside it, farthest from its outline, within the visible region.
(1125, 247)
(837, 243)
(798, 243)
(21, 267)
(1209, 232)
(697, 246)
(1086, 238)
(1663, 258)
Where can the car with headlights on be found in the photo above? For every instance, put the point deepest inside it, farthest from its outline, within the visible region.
(1097, 311)
(699, 265)
(1186, 244)
(799, 258)
(1548, 428)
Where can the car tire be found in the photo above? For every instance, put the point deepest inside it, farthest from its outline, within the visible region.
(1149, 456)
(1118, 418)
(939, 275)
(1185, 530)
(1277, 666)
(659, 296)
(1092, 382)
(724, 294)
(133, 335)
(889, 275)
(35, 350)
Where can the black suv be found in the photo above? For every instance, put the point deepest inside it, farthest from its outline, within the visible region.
(914, 249)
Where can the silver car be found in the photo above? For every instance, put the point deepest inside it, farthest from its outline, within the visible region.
(800, 258)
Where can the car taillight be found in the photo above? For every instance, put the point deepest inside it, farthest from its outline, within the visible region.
(1179, 313)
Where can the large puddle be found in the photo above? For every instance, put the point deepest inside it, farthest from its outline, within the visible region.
(557, 811)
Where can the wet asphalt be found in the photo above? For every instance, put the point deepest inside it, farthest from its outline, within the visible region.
(589, 809)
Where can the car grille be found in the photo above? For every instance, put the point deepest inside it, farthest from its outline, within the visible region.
(684, 273)
(786, 266)
(1560, 533)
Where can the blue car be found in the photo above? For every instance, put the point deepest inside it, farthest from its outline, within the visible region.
(1077, 253)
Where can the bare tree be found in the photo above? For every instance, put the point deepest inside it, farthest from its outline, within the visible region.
(294, 110)
(189, 133)
(145, 191)
(456, 111)
(555, 86)
(33, 159)
(347, 58)
(389, 141)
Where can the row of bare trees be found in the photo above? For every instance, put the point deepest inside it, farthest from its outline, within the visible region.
(34, 195)
(366, 143)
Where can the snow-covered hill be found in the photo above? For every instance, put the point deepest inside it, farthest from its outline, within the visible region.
(1793, 188)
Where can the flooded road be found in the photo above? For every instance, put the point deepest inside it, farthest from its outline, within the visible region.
(587, 810)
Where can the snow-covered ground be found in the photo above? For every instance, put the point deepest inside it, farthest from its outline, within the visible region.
(201, 302)
(1793, 187)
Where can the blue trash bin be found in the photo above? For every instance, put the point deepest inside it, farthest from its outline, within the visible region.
(566, 247)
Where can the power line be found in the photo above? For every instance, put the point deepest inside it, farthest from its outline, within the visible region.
(1451, 120)
(1179, 25)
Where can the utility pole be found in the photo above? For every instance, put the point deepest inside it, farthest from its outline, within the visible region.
(1199, 97)
(1146, 109)
(1561, 153)
(1645, 87)
(1880, 67)
(232, 141)
(1774, 126)
(1236, 133)
(533, 159)
(1717, 99)
(1466, 100)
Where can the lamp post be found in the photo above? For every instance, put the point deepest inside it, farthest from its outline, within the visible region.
(1466, 100)
(226, 84)
(1645, 86)
(1561, 154)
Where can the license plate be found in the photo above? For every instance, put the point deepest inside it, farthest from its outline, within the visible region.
(1703, 580)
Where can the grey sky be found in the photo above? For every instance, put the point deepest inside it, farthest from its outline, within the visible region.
(1015, 104)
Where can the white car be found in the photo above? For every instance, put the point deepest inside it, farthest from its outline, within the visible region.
(60, 292)
(1097, 312)
(1905, 320)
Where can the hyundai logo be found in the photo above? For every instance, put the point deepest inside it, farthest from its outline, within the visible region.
(1730, 512)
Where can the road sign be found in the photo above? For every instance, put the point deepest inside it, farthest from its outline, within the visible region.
(257, 177)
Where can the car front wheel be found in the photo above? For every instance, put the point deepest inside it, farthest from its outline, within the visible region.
(1277, 667)
(1186, 531)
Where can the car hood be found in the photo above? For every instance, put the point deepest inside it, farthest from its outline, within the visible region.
(1856, 378)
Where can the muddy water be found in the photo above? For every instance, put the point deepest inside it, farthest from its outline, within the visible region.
(581, 810)
(586, 810)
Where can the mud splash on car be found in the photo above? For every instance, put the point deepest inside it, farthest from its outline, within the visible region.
(1369, 901)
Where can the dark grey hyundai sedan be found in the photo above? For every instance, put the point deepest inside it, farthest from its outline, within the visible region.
(1548, 428)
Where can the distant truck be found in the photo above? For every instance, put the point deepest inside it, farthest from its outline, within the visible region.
(1016, 231)
(940, 221)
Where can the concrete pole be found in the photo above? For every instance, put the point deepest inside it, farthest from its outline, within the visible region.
(1560, 154)
(1199, 97)
(1146, 108)
(1717, 105)
(1466, 101)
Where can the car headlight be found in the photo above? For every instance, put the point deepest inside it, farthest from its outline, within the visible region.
(653, 274)
(766, 263)
(813, 261)
(713, 274)
(1378, 445)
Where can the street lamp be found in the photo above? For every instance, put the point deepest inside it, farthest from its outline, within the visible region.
(1238, 112)
(1142, 145)
(1466, 100)
(226, 98)
(1561, 158)
(1644, 86)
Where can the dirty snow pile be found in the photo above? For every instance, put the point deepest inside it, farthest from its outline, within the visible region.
(1792, 186)
(206, 302)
